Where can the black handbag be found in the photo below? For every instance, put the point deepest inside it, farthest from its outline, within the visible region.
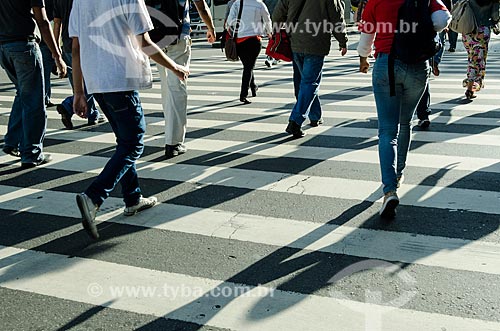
(230, 46)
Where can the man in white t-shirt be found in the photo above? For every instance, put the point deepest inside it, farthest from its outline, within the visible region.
(110, 42)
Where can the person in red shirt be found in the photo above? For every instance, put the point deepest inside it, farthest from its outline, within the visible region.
(395, 113)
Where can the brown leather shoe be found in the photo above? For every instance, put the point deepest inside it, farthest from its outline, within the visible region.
(65, 117)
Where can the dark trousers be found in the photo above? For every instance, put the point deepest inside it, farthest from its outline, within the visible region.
(248, 51)
(423, 107)
(48, 63)
(452, 38)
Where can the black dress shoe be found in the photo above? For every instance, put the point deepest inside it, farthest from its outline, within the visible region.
(46, 158)
(49, 104)
(295, 130)
(254, 90)
(315, 123)
(65, 117)
(13, 151)
(174, 150)
(245, 101)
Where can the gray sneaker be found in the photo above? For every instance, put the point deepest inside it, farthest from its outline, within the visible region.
(144, 203)
(88, 209)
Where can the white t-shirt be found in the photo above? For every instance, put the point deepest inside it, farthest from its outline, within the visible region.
(110, 55)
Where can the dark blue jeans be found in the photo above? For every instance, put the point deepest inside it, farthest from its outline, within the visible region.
(68, 102)
(126, 117)
(307, 72)
(27, 122)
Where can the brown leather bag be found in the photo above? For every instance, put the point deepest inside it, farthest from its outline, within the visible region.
(230, 46)
(230, 49)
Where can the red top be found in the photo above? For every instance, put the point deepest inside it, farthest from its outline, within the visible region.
(242, 39)
(381, 16)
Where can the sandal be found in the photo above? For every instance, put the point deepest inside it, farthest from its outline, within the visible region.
(470, 94)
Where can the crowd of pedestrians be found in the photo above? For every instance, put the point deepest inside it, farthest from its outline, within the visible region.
(110, 72)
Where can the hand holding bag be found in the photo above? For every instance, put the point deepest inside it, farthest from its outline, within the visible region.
(279, 46)
(230, 46)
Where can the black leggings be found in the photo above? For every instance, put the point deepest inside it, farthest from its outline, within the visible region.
(248, 51)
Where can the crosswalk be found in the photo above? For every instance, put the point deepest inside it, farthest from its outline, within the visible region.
(257, 231)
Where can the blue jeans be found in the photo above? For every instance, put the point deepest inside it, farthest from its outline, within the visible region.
(67, 103)
(439, 55)
(307, 71)
(126, 117)
(48, 63)
(27, 122)
(395, 113)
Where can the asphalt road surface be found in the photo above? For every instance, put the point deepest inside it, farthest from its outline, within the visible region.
(256, 231)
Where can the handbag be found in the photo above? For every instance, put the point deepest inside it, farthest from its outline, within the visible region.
(463, 19)
(279, 46)
(230, 44)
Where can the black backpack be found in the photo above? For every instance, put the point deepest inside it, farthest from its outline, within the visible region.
(415, 39)
(166, 31)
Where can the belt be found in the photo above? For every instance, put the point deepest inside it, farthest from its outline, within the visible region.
(15, 40)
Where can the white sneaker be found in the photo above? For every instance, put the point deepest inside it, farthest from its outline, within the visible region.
(144, 203)
(88, 209)
(391, 201)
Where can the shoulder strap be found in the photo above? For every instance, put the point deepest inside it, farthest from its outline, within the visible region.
(235, 34)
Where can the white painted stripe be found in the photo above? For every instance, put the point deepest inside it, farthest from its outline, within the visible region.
(338, 154)
(436, 96)
(369, 102)
(339, 188)
(431, 137)
(458, 117)
(483, 139)
(353, 62)
(289, 90)
(48, 274)
(302, 152)
(450, 253)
